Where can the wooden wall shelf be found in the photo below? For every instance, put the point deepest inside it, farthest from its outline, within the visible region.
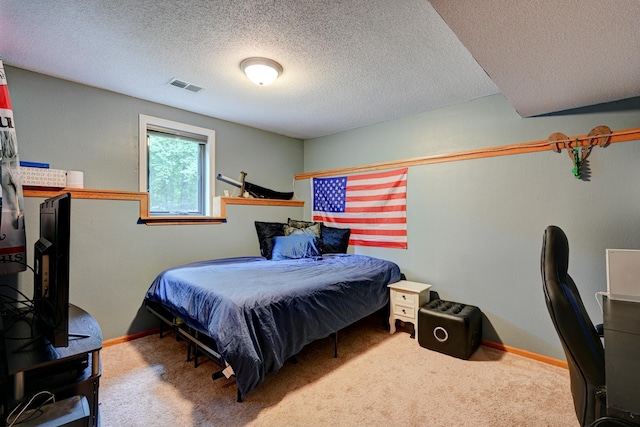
(624, 135)
(219, 204)
(85, 193)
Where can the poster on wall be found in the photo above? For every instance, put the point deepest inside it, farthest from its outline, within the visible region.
(13, 255)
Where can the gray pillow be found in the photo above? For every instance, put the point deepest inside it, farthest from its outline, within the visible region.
(313, 230)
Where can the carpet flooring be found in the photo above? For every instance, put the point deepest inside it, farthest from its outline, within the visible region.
(378, 379)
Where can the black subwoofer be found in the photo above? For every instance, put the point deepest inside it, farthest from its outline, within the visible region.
(450, 327)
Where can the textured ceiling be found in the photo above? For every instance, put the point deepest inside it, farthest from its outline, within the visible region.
(549, 55)
(346, 64)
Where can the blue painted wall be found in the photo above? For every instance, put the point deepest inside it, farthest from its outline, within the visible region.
(114, 259)
(475, 227)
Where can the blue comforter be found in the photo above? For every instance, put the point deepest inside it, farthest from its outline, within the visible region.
(261, 312)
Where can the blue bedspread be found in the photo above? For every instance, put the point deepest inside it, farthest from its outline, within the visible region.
(261, 312)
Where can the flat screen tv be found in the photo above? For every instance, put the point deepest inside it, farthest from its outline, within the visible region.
(51, 278)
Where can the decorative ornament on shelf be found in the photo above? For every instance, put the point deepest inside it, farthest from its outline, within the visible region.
(249, 190)
(580, 148)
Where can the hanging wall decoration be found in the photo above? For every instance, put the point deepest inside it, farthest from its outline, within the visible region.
(13, 255)
(373, 206)
(579, 150)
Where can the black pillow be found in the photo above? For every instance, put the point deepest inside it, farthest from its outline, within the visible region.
(334, 240)
(266, 232)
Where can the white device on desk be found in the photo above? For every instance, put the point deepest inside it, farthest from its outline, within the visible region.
(623, 274)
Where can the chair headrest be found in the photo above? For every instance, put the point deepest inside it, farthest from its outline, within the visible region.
(556, 246)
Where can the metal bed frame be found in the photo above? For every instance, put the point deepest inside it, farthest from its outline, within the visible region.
(200, 343)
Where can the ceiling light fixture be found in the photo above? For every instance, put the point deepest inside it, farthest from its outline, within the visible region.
(261, 71)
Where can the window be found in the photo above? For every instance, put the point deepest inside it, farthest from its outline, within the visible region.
(176, 167)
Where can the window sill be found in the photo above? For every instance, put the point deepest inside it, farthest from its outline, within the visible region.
(180, 220)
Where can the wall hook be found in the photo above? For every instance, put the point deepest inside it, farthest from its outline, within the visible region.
(601, 132)
(554, 138)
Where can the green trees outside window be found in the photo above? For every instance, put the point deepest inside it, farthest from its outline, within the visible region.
(176, 165)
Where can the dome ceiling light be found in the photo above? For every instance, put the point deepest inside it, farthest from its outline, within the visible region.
(261, 71)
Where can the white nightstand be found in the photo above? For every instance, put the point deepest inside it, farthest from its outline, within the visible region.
(406, 299)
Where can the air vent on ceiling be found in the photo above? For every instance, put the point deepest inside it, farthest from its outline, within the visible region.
(184, 85)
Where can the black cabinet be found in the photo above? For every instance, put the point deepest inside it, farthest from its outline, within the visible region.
(34, 365)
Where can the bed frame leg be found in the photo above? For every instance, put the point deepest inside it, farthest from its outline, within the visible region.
(335, 344)
(217, 375)
(161, 329)
(195, 356)
(192, 351)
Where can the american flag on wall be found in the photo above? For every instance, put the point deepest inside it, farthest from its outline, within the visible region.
(372, 205)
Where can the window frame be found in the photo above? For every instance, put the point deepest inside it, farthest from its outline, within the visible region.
(181, 129)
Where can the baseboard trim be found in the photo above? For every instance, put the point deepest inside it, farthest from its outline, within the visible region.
(527, 354)
(497, 346)
(119, 340)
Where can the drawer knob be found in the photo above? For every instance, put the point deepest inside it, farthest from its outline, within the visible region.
(404, 297)
(404, 311)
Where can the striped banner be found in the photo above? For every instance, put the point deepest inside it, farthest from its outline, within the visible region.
(372, 205)
(13, 254)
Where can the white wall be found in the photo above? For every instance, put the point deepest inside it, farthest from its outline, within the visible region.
(475, 227)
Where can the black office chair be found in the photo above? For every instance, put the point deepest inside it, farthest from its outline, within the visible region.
(581, 342)
(580, 339)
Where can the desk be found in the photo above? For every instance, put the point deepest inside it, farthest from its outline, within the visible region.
(65, 371)
(622, 358)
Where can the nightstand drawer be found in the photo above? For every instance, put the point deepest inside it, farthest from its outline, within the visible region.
(404, 311)
(409, 298)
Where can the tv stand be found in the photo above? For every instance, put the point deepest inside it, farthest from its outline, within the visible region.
(34, 365)
(38, 340)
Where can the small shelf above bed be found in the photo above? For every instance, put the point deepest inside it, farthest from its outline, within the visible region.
(220, 203)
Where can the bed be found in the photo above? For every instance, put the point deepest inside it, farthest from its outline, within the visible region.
(261, 312)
